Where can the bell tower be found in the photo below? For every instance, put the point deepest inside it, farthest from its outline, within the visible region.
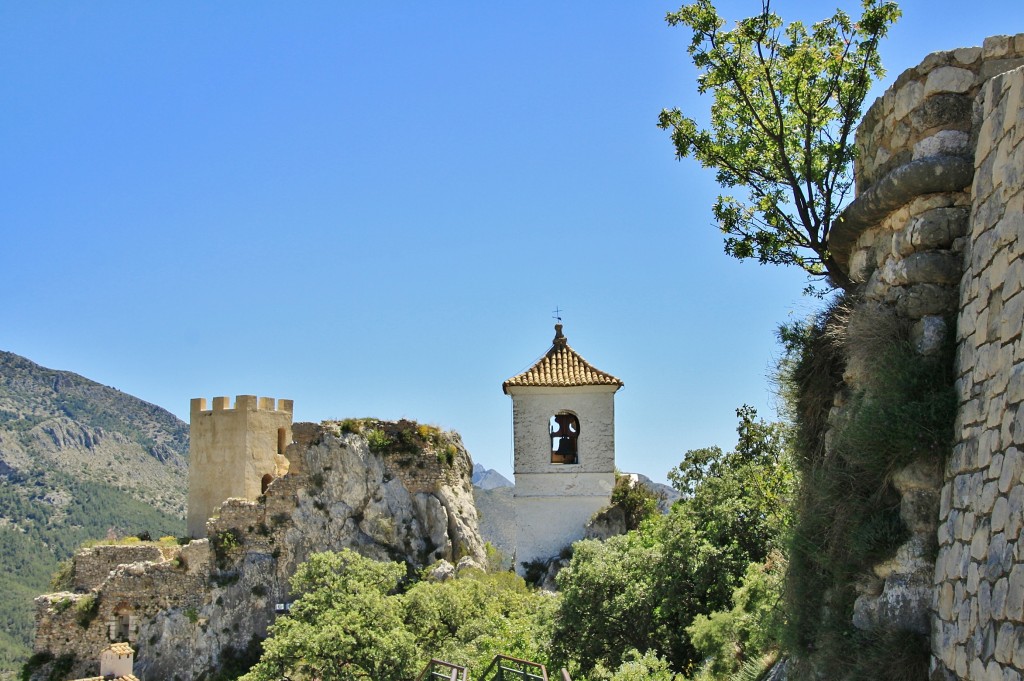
(563, 427)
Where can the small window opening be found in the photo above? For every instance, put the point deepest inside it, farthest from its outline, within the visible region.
(281, 444)
(265, 483)
(120, 625)
(564, 429)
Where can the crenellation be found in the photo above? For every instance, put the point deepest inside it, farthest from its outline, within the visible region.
(243, 403)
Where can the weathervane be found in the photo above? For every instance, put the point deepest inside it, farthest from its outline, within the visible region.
(557, 314)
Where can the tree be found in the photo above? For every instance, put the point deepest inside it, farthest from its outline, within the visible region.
(641, 590)
(350, 623)
(785, 105)
(343, 627)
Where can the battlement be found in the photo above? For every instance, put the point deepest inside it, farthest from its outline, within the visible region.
(242, 403)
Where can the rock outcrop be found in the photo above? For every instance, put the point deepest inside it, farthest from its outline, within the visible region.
(407, 498)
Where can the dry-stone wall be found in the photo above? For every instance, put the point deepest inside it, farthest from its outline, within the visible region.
(92, 565)
(934, 235)
(979, 601)
(184, 609)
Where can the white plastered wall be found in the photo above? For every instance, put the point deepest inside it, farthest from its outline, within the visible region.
(555, 501)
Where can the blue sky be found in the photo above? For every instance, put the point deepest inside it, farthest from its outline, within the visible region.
(374, 209)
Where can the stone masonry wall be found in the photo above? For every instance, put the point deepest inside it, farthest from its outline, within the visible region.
(92, 565)
(979, 600)
(933, 236)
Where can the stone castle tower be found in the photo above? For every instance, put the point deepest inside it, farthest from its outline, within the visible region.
(563, 423)
(234, 452)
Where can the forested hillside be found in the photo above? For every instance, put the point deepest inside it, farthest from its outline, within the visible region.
(78, 461)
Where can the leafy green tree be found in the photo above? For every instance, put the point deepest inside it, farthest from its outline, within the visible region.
(637, 667)
(637, 501)
(609, 600)
(469, 620)
(349, 622)
(786, 101)
(742, 497)
(753, 626)
(343, 627)
(640, 591)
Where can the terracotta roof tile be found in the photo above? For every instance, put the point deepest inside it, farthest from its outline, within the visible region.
(121, 648)
(561, 367)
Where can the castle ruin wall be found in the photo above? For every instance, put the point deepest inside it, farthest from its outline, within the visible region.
(934, 237)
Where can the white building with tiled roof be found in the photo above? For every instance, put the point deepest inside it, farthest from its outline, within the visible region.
(563, 425)
(116, 663)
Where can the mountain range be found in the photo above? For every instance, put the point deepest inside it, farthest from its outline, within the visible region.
(78, 461)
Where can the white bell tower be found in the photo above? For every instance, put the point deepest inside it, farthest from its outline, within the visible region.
(563, 425)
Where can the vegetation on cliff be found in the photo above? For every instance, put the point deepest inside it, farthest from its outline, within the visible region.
(848, 512)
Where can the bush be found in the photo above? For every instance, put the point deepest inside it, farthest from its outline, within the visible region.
(637, 501)
(63, 578)
(86, 609)
(378, 440)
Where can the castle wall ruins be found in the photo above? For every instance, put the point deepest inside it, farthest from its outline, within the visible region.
(935, 235)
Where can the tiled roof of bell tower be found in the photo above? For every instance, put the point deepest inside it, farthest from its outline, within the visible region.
(561, 367)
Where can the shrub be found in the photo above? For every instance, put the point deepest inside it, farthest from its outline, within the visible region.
(378, 440)
(86, 609)
(62, 579)
(637, 500)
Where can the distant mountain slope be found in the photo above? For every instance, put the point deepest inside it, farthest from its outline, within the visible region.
(77, 459)
(488, 478)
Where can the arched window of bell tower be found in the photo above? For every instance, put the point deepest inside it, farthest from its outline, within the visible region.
(564, 428)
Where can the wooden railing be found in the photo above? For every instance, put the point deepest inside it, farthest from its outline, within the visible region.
(502, 668)
(505, 668)
(438, 669)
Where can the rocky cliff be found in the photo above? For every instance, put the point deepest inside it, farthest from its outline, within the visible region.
(397, 491)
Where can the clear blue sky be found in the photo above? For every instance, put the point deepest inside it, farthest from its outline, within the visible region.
(374, 209)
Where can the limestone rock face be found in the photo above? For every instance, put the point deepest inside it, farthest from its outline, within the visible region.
(369, 502)
(409, 499)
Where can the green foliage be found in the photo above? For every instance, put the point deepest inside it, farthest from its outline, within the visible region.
(640, 591)
(742, 497)
(637, 501)
(343, 625)
(637, 667)
(350, 622)
(786, 101)
(86, 609)
(378, 440)
(352, 426)
(469, 620)
(729, 639)
(63, 576)
(224, 543)
(192, 615)
(847, 510)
